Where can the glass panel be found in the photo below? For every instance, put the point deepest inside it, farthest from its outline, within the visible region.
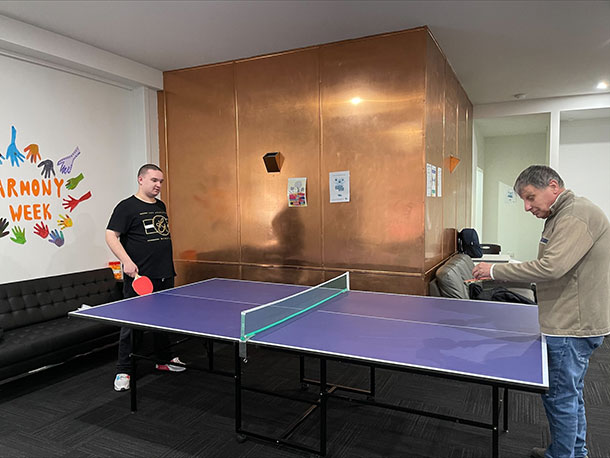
(265, 316)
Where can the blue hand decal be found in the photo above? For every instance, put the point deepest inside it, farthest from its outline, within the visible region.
(65, 163)
(57, 237)
(12, 152)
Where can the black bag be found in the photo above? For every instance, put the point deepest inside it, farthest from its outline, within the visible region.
(498, 294)
(468, 243)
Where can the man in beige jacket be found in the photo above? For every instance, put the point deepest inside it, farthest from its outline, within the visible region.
(572, 276)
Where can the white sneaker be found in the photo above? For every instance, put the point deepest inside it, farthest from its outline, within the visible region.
(171, 367)
(121, 382)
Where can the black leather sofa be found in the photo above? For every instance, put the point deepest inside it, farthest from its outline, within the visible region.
(35, 330)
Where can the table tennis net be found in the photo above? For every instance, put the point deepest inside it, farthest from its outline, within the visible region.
(266, 316)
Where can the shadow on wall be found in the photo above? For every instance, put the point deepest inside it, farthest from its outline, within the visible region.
(284, 247)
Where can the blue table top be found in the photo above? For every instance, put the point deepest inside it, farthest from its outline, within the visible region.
(487, 340)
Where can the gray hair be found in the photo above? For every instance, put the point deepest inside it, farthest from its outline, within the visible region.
(146, 167)
(538, 176)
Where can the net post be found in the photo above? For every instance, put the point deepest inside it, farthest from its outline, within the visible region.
(243, 352)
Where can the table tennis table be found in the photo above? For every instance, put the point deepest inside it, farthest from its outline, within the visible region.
(490, 343)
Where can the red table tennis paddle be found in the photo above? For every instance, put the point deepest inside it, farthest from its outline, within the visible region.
(142, 285)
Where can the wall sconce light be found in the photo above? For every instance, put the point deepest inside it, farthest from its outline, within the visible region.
(273, 161)
(453, 163)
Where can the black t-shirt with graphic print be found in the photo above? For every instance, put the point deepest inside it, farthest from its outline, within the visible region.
(144, 229)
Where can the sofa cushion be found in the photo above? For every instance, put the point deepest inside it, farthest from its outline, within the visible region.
(34, 301)
(47, 337)
(451, 275)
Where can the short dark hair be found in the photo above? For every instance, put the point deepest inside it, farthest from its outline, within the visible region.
(539, 176)
(146, 167)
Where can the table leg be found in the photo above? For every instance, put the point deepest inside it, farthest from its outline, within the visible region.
(323, 400)
(133, 385)
(240, 437)
(505, 402)
(495, 420)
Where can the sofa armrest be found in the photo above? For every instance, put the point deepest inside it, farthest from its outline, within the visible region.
(433, 289)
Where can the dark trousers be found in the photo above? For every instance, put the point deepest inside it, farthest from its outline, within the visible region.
(161, 341)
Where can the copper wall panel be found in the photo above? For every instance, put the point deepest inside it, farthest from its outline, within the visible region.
(230, 217)
(468, 151)
(465, 155)
(450, 180)
(162, 148)
(380, 141)
(292, 275)
(194, 271)
(202, 166)
(385, 282)
(278, 110)
(434, 110)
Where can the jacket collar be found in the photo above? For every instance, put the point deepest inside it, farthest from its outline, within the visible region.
(562, 200)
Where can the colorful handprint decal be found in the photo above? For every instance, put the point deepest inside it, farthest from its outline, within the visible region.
(49, 185)
(33, 153)
(12, 153)
(72, 183)
(41, 229)
(19, 234)
(70, 203)
(65, 163)
(57, 237)
(47, 168)
(3, 226)
(64, 222)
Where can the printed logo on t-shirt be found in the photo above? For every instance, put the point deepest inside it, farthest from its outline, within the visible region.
(544, 240)
(156, 225)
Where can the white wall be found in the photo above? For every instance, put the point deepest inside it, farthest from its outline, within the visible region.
(554, 106)
(576, 176)
(504, 220)
(60, 94)
(59, 111)
(584, 159)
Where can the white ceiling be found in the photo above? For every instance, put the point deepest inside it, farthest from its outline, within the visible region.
(497, 48)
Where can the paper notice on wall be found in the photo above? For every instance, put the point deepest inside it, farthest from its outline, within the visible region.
(430, 180)
(297, 192)
(339, 186)
(509, 195)
(439, 182)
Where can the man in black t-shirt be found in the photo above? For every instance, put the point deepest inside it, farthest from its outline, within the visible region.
(138, 234)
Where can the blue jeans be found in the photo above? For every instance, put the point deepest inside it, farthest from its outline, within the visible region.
(564, 404)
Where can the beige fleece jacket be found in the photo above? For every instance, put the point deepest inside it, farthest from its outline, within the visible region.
(572, 272)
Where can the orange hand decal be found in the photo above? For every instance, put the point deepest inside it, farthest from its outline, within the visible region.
(33, 153)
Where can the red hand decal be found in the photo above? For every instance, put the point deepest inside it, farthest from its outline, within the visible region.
(70, 203)
(41, 229)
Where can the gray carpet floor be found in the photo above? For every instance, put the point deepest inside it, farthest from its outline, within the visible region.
(72, 410)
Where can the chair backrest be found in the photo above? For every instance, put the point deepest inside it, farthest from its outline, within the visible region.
(490, 248)
(451, 275)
